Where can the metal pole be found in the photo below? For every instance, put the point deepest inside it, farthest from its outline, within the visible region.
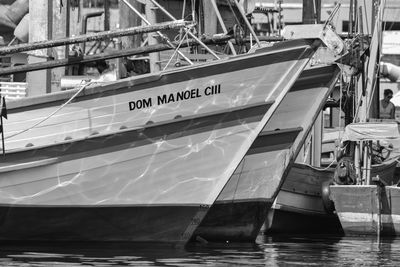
(92, 37)
(333, 13)
(104, 56)
(247, 23)
(280, 16)
(106, 15)
(221, 22)
(116, 54)
(165, 38)
(189, 32)
(350, 27)
(2, 134)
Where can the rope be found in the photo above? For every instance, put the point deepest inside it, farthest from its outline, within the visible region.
(176, 50)
(54, 112)
(321, 169)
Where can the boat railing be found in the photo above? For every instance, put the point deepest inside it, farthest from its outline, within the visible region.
(13, 90)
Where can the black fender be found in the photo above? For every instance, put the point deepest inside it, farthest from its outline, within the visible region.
(329, 205)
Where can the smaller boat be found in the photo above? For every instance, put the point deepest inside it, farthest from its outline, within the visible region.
(300, 207)
(369, 207)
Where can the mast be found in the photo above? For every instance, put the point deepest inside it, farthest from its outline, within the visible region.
(311, 11)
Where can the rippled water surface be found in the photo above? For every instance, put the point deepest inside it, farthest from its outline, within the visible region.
(269, 251)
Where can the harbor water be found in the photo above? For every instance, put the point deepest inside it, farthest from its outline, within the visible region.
(268, 251)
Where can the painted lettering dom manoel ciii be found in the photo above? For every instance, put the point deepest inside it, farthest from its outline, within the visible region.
(175, 97)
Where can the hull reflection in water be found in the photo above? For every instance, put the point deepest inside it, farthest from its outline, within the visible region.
(140, 159)
(242, 207)
(274, 251)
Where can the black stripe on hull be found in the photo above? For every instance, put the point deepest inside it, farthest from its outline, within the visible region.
(118, 224)
(274, 140)
(313, 78)
(287, 222)
(233, 221)
(240, 221)
(139, 137)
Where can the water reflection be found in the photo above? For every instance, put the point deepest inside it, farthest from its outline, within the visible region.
(269, 251)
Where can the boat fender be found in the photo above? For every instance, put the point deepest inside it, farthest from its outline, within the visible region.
(329, 205)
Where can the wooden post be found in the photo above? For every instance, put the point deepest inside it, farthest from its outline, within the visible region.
(152, 18)
(60, 30)
(222, 23)
(311, 11)
(40, 28)
(48, 20)
(357, 160)
(107, 15)
(127, 19)
(368, 161)
(210, 18)
(317, 141)
(351, 18)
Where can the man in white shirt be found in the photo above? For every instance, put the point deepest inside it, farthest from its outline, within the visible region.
(386, 108)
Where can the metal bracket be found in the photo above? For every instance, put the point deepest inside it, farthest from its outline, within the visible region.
(324, 32)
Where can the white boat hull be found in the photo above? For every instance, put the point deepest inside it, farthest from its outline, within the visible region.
(102, 153)
(242, 206)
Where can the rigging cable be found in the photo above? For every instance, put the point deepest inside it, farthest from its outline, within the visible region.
(176, 50)
(54, 112)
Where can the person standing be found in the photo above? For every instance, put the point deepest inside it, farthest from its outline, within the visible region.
(386, 108)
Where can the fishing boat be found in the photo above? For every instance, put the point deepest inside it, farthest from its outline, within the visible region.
(303, 205)
(369, 207)
(241, 208)
(139, 159)
(300, 207)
